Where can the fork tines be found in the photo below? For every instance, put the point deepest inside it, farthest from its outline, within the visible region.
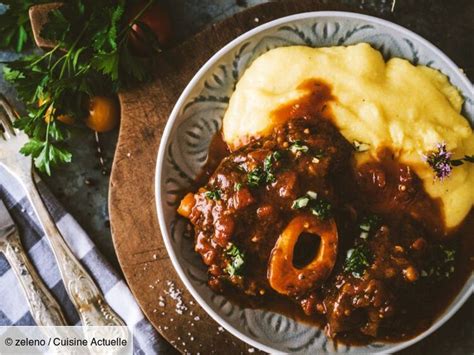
(7, 116)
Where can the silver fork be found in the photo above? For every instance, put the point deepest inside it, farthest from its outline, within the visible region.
(43, 307)
(81, 289)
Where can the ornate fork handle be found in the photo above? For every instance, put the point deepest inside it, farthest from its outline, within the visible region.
(83, 292)
(44, 308)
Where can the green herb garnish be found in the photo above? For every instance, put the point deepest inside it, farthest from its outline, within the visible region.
(268, 165)
(321, 208)
(301, 202)
(256, 177)
(369, 224)
(441, 266)
(467, 158)
(259, 176)
(298, 146)
(440, 161)
(15, 28)
(213, 194)
(237, 186)
(91, 57)
(318, 206)
(357, 260)
(236, 262)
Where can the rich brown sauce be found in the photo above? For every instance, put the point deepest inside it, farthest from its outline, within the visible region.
(384, 187)
(312, 104)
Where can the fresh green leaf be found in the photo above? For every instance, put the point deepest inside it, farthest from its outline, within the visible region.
(108, 64)
(301, 202)
(236, 260)
(317, 206)
(213, 195)
(22, 38)
(457, 162)
(15, 29)
(358, 259)
(268, 165)
(298, 146)
(59, 155)
(92, 57)
(256, 177)
(469, 158)
(33, 147)
(237, 186)
(321, 208)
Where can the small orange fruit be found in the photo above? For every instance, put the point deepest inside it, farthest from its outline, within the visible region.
(103, 114)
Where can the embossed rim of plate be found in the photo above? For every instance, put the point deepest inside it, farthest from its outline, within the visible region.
(453, 308)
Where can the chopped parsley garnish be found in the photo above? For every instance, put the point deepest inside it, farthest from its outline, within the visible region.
(321, 208)
(213, 194)
(268, 165)
(298, 146)
(360, 146)
(237, 186)
(236, 260)
(301, 202)
(266, 175)
(256, 177)
(357, 260)
(318, 206)
(369, 224)
(441, 265)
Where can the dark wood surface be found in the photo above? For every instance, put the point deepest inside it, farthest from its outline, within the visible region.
(135, 230)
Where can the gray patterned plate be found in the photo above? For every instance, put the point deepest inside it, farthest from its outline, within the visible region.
(198, 115)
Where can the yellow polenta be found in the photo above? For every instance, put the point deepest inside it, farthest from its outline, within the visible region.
(384, 104)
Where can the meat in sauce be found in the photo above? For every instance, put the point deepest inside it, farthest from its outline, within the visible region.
(290, 220)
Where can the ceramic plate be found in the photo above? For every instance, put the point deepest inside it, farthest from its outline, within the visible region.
(198, 115)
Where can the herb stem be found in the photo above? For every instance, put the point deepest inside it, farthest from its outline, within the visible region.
(132, 22)
(44, 56)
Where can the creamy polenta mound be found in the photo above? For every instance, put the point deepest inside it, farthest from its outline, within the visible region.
(393, 104)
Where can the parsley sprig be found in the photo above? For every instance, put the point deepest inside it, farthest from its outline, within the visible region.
(91, 57)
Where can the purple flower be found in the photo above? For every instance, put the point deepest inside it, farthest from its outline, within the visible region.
(440, 161)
